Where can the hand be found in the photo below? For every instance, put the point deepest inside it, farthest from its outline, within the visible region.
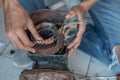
(0, 3)
(17, 21)
(79, 12)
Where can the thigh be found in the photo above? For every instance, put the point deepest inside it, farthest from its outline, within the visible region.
(106, 16)
(32, 5)
(92, 44)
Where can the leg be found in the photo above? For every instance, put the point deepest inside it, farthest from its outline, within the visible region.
(100, 41)
(32, 5)
(93, 45)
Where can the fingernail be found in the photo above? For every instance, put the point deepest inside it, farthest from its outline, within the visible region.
(68, 47)
(67, 16)
(33, 51)
(40, 39)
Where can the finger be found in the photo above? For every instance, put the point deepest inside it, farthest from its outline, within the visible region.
(78, 36)
(73, 47)
(33, 31)
(78, 13)
(76, 45)
(10, 38)
(12, 41)
(81, 30)
(73, 43)
(24, 38)
(31, 49)
(70, 52)
(21, 46)
(70, 14)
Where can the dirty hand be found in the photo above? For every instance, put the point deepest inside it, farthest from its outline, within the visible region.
(79, 12)
(17, 21)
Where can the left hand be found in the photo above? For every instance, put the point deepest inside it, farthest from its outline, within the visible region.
(79, 12)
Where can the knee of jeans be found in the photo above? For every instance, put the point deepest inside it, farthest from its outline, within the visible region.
(117, 51)
(115, 56)
(116, 68)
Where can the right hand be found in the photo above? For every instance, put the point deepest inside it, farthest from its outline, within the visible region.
(17, 21)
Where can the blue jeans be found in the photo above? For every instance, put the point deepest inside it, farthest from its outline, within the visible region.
(100, 39)
(32, 5)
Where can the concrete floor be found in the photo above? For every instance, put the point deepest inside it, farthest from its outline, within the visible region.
(79, 62)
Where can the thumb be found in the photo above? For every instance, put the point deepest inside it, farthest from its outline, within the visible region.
(70, 14)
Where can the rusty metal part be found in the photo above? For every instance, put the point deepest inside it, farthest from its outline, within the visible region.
(48, 23)
(46, 15)
(46, 74)
(57, 62)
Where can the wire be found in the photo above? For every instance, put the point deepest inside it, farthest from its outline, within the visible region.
(70, 25)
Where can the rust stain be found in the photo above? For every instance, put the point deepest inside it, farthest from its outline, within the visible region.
(55, 24)
(46, 74)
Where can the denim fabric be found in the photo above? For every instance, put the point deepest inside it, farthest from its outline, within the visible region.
(32, 5)
(99, 40)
